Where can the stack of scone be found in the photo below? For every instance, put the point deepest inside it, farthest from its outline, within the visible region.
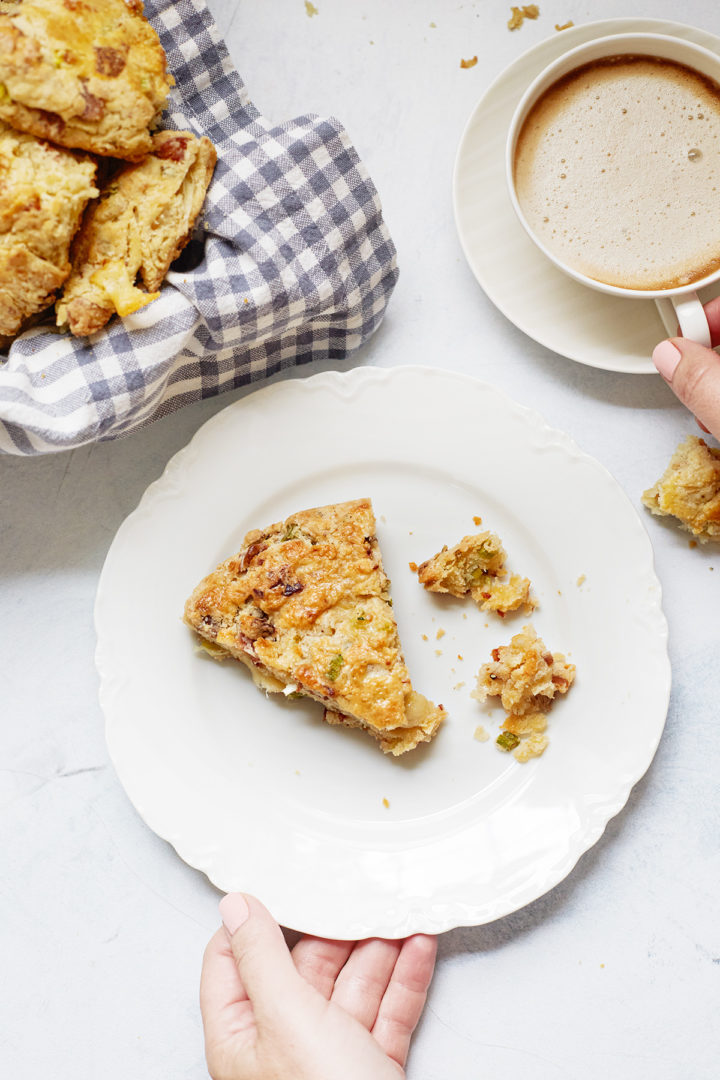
(95, 207)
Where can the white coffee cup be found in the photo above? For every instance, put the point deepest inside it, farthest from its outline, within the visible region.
(678, 306)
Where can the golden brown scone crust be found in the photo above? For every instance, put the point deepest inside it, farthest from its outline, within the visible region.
(43, 192)
(689, 489)
(88, 74)
(142, 221)
(476, 567)
(306, 601)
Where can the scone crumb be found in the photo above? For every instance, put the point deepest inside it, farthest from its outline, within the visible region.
(689, 489)
(440, 634)
(458, 685)
(477, 520)
(480, 733)
(310, 9)
(527, 677)
(425, 637)
(386, 803)
(691, 543)
(531, 748)
(438, 652)
(413, 567)
(460, 656)
(565, 26)
(475, 567)
(581, 580)
(518, 15)
(469, 63)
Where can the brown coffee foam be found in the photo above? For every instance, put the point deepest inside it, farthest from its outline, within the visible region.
(603, 176)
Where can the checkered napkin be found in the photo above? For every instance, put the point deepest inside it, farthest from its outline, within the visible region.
(298, 266)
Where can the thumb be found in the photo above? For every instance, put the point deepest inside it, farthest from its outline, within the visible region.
(693, 373)
(264, 964)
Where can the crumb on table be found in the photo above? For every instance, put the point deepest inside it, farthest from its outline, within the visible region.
(581, 580)
(440, 633)
(565, 26)
(481, 734)
(689, 489)
(469, 63)
(386, 803)
(518, 15)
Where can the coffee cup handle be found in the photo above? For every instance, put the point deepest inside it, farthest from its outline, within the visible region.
(685, 311)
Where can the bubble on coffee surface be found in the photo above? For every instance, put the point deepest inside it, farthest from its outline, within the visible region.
(618, 201)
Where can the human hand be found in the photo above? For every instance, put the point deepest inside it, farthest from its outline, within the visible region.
(328, 1010)
(693, 372)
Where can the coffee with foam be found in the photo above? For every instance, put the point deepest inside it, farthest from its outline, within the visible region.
(617, 172)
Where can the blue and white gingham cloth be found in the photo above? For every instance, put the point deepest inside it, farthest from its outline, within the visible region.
(298, 266)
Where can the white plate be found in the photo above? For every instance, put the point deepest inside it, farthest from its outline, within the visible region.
(263, 796)
(601, 331)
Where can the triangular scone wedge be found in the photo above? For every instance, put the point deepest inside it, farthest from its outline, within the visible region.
(306, 605)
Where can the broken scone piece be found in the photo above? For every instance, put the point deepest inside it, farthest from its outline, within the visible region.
(306, 606)
(88, 74)
(44, 192)
(689, 489)
(527, 678)
(476, 567)
(139, 225)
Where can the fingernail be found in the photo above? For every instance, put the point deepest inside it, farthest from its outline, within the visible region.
(666, 358)
(233, 911)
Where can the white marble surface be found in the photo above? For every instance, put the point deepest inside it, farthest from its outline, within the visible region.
(616, 972)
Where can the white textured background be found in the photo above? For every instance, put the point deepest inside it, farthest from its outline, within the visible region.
(616, 972)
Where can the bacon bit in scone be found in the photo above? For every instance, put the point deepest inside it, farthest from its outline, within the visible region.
(94, 108)
(469, 63)
(520, 14)
(172, 149)
(109, 61)
(565, 26)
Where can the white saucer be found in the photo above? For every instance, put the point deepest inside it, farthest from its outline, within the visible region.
(575, 321)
